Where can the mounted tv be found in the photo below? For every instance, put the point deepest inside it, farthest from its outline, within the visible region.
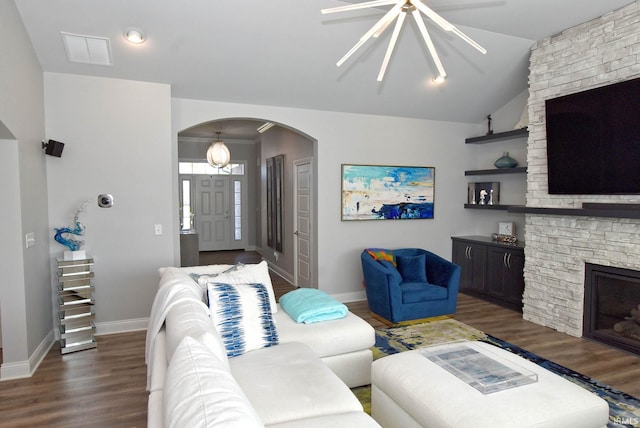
(593, 141)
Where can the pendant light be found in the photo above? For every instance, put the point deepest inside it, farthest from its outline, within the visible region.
(218, 154)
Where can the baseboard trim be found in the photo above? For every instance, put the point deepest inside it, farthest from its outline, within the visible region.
(354, 296)
(124, 326)
(285, 275)
(22, 369)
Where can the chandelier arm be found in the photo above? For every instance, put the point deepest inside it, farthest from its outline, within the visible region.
(446, 25)
(381, 29)
(469, 40)
(389, 16)
(351, 51)
(427, 40)
(364, 5)
(443, 23)
(392, 44)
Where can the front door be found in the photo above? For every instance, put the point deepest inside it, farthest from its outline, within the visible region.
(213, 215)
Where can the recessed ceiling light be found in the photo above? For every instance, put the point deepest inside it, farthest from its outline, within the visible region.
(134, 35)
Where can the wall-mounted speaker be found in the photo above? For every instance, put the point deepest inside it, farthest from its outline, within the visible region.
(53, 148)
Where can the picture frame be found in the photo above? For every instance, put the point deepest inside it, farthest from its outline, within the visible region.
(386, 192)
(483, 193)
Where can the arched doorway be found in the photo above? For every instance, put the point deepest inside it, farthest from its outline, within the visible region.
(252, 149)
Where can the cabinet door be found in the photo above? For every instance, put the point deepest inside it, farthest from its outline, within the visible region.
(516, 278)
(472, 260)
(505, 278)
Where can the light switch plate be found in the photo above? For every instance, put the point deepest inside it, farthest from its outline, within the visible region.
(29, 240)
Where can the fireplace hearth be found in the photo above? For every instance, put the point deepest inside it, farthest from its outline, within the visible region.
(612, 306)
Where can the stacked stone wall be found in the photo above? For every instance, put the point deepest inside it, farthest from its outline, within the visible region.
(603, 51)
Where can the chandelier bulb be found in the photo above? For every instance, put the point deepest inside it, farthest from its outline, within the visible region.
(439, 79)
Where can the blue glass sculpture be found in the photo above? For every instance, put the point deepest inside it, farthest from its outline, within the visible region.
(73, 244)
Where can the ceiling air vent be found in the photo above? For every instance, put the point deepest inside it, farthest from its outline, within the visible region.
(87, 49)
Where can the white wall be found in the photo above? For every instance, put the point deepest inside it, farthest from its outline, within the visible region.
(117, 139)
(25, 288)
(365, 139)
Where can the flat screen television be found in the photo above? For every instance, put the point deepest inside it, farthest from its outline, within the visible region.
(593, 141)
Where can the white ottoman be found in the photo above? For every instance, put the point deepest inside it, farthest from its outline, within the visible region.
(409, 390)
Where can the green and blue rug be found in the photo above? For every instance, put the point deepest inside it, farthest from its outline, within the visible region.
(624, 409)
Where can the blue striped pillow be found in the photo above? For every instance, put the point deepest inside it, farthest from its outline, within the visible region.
(242, 316)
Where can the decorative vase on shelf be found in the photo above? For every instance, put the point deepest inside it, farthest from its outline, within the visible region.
(506, 161)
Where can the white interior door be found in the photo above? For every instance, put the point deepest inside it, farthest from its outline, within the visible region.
(213, 216)
(303, 221)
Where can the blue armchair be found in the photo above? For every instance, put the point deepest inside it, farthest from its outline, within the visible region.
(420, 285)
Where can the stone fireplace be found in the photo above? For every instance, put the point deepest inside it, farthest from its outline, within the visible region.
(560, 242)
(612, 306)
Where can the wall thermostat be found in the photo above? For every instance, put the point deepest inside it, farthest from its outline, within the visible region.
(105, 200)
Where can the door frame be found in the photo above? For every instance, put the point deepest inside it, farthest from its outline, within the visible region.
(244, 180)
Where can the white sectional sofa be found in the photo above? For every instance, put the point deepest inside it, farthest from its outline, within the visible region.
(304, 380)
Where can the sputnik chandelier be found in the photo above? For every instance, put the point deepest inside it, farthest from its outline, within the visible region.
(400, 11)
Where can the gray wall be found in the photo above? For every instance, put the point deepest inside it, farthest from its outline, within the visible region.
(25, 293)
(118, 141)
(277, 141)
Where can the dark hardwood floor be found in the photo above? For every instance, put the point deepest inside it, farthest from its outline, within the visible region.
(106, 386)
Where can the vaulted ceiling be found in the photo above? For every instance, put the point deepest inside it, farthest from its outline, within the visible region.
(284, 52)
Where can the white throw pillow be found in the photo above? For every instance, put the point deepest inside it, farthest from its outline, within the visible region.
(242, 316)
(191, 319)
(200, 392)
(246, 274)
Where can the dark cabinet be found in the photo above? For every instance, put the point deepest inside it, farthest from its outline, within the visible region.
(472, 259)
(491, 270)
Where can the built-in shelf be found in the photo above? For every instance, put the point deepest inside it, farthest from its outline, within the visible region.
(603, 212)
(490, 207)
(498, 136)
(495, 137)
(516, 170)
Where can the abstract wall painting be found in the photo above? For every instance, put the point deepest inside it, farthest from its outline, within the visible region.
(378, 192)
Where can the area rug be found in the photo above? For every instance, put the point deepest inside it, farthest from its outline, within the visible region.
(624, 409)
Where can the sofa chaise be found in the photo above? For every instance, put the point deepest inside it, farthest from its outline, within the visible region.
(303, 380)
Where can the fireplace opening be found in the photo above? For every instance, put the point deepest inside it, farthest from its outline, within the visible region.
(612, 306)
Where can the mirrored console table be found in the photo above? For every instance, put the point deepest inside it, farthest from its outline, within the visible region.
(76, 305)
